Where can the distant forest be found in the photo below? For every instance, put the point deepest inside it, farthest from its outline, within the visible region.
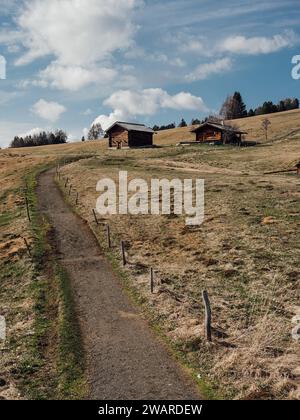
(40, 139)
(235, 108)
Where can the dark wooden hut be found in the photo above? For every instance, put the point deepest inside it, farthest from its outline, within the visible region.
(123, 135)
(211, 132)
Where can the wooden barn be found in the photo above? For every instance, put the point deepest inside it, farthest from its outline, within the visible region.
(123, 135)
(211, 132)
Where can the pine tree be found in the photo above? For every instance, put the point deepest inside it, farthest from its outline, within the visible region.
(241, 107)
(182, 123)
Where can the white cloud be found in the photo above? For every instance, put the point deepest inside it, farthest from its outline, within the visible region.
(81, 37)
(128, 104)
(187, 43)
(10, 37)
(88, 111)
(32, 132)
(50, 111)
(203, 71)
(258, 45)
(73, 77)
(6, 96)
(75, 32)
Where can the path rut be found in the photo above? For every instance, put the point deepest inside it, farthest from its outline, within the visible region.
(125, 360)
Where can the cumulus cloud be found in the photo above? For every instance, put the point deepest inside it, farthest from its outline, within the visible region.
(73, 77)
(258, 45)
(80, 37)
(203, 71)
(32, 132)
(130, 104)
(50, 111)
(75, 32)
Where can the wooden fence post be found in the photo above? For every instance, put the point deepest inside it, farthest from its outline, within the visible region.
(123, 253)
(152, 280)
(108, 236)
(77, 199)
(95, 216)
(27, 209)
(27, 246)
(207, 324)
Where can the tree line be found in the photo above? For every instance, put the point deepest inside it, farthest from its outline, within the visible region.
(40, 139)
(234, 107)
(182, 123)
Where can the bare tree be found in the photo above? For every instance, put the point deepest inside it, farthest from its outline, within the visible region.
(214, 118)
(230, 109)
(96, 132)
(265, 126)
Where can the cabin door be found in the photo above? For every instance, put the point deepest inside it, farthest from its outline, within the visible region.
(119, 145)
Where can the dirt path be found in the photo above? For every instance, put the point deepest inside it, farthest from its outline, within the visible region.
(125, 360)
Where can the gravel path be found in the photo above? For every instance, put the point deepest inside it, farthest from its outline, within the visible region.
(125, 359)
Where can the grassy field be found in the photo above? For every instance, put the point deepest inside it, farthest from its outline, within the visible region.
(246, 254)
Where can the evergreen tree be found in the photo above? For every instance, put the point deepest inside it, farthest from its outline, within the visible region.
(182, 123)
(233, 107)
(40, 139)
(241, 107)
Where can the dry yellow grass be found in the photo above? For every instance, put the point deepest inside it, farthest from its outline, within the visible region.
(249, 266)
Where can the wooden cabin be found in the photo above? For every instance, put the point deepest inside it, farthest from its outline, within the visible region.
(124, 135)
(211, 132)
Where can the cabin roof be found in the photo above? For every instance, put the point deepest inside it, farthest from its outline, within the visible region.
(131, 127)
(221, 127)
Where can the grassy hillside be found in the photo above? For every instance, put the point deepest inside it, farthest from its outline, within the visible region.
(284, 125)
(245, 254)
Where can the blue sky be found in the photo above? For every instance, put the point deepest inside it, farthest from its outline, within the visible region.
(73, 62)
